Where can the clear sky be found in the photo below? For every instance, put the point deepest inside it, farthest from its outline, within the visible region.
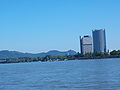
(43, 25)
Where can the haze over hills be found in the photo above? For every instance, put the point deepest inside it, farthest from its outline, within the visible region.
(15, 54)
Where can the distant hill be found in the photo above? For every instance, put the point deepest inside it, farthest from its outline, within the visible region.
(15, 54)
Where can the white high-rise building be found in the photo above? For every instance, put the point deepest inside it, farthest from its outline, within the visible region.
(86, 44)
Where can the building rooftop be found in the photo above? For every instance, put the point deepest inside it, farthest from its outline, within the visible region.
(98, 30)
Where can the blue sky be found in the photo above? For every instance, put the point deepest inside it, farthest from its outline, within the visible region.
(43, 25)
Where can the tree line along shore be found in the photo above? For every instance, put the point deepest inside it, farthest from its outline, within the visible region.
(78, 56)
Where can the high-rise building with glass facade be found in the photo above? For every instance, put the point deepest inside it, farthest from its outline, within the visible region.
(99, 40)
(86, 44)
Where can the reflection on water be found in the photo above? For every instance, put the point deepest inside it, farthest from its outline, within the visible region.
(103, 74)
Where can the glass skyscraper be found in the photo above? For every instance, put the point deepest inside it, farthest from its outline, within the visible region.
(99, 40)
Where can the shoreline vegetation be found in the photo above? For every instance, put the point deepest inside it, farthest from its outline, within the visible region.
(78, 56)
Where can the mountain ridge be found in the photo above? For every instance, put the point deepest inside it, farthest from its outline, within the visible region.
(16, 54)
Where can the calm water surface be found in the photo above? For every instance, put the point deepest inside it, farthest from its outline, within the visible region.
(101, 74)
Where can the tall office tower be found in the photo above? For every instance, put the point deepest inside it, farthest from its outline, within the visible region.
(86, 44)
(99, 40)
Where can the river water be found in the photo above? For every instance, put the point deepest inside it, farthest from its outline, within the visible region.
(101, 74)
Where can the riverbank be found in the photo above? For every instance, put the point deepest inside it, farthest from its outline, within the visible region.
(78, 56)
(8, 62)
